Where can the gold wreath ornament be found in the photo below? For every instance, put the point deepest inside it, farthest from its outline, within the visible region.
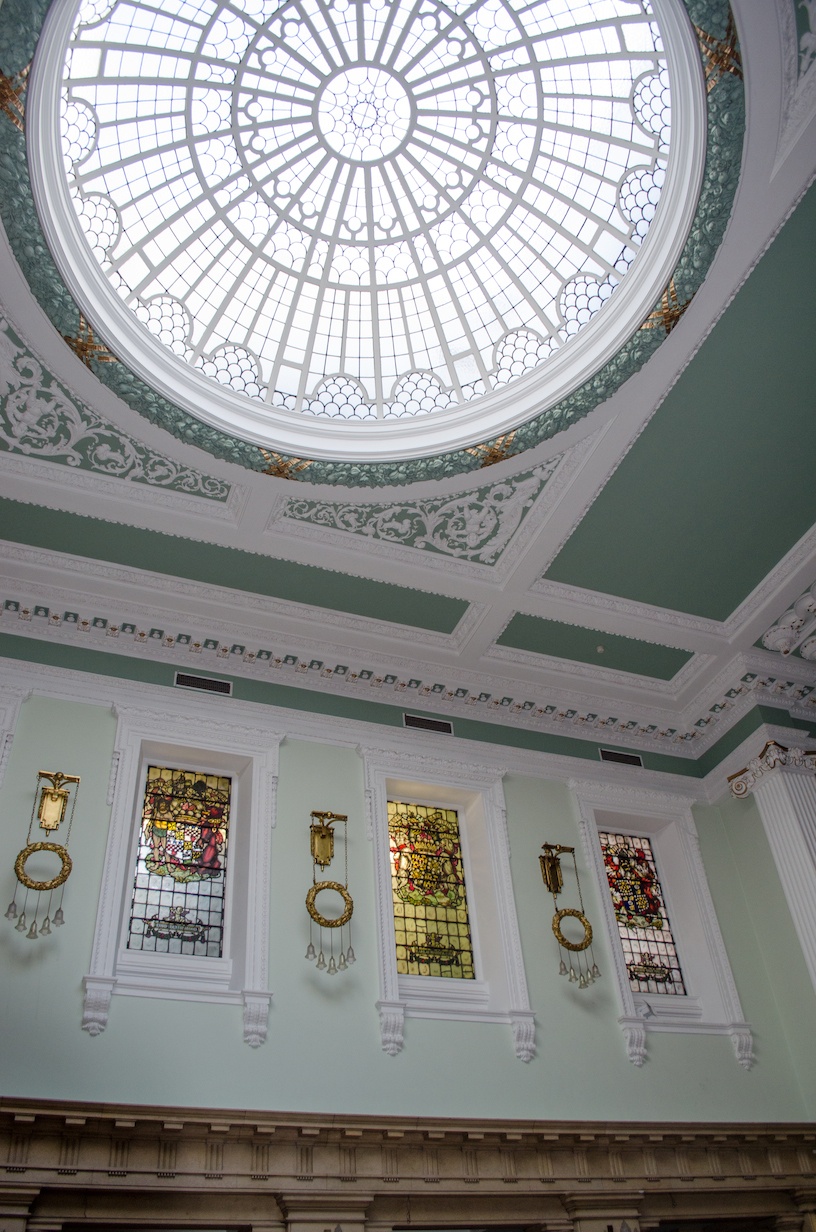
(561, 939)
(62, 875)
(321, 919)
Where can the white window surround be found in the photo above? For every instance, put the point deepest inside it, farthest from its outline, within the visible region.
(499, 992)
(185, 734)
(712, 1005)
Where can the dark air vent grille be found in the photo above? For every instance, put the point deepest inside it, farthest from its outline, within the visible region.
(623, 759)
(203, 683)
(434, 725)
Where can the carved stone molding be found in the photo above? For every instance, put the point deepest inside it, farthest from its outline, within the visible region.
(96, 1003)
(115, 1165)
(256, 1017)
(523, 1023)
(773, 757)
(392, 1026)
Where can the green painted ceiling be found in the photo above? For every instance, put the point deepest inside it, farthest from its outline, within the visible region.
(720, 485)
(624, 654)
(210, 563)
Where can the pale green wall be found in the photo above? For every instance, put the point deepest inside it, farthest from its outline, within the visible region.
(766, 958)
(323, 1053)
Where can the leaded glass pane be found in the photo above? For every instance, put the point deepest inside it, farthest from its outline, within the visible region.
(640, 911)
(372, 210)
(430, 901)
(178, 889)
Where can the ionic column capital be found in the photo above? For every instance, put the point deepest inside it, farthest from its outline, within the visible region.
(774, 757)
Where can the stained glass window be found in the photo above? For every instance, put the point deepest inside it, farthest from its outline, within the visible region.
(640, 911)
(369, 211)
(430, 900)
(178, 889)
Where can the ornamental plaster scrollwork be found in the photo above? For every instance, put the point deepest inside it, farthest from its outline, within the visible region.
(40, 419)
(476, 526)
(773, 757)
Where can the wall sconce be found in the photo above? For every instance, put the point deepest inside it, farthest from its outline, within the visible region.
(53, 793)
(322, 845)
(579, 952)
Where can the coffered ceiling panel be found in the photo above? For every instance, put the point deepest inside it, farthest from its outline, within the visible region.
(720, 484)
(624, 654)
(228, 567)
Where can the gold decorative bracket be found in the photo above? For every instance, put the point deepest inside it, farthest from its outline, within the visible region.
(720, 55)
(283, 468)
(321, 836)
(551, 866)
(11, 96)
(85, 346)
(491, 452)
(669, 312)
(54, 799)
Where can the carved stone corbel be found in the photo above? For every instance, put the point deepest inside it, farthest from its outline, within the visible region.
(96, 1003)
(392, 1026)
(634, 1035)
(256, 1017)
(523, 1023)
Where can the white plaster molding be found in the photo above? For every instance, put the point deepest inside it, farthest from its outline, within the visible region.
(270, 720)
(774, 757)
(634, 1036)
(392, 1026)
(798, 77)
(691, 731)
(112, 777)
(256, 1017)
(231, 599)
(96, 1003)
(247, 751)
(11, 699)
(58, 478)
(783, 783)
(577, 712)
(712, 1005)
(528, 661)
(523, 1023)
(562, 471)
(499, 992)
(715, 783)
(611, 608)
(95, 689)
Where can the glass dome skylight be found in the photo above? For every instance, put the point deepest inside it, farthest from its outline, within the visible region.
(367, 227)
